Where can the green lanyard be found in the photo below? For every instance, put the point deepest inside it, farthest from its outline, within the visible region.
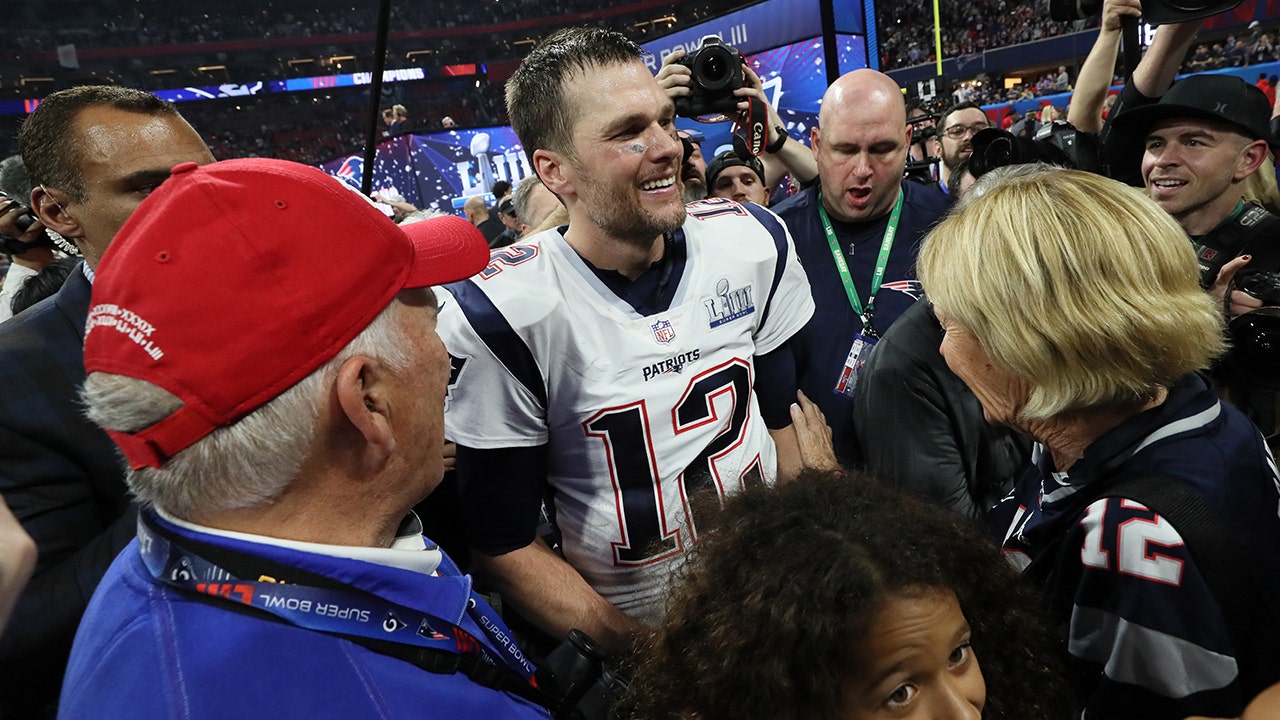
(881, 262)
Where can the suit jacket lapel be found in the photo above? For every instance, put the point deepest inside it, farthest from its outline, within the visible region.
(72, 299)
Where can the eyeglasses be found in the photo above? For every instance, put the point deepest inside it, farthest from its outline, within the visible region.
(955, 132)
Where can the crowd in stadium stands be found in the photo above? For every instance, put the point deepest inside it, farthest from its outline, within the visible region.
(906, 36)
(1255, 47)
(875, 542)
(151, 22)
(1258, 46)
(311, 128)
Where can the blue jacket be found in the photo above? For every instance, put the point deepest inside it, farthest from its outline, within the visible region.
(148, 650)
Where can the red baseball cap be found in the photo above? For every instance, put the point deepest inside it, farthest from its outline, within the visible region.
(235, 280)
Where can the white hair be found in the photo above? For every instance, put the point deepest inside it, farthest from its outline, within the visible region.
(250, 462)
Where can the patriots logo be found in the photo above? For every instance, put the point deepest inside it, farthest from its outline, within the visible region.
(911, 288)
(351, 171)
(425, 630)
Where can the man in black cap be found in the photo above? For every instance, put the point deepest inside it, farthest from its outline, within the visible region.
(729, 176)
(506, 208)
(1201, 140)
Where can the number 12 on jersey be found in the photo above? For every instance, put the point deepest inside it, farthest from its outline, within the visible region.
(647, 532)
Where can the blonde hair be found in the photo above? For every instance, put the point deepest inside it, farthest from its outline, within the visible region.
(1260, 186)
(1079, 285)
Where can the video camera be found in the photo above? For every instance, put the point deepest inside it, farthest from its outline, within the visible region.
(931, 98)
(1255, 336)
(923, 127)
(716, 71)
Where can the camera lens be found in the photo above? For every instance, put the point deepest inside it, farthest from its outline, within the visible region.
(996, 152)
(715, 68)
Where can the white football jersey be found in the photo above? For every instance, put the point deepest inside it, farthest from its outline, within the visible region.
(638, 411)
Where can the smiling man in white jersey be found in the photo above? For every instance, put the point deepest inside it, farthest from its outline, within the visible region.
(618, 366)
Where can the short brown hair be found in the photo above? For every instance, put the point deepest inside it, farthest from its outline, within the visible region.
(47, 139)
(535, 92)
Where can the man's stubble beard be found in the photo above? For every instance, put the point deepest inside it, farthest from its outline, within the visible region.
(633, 225)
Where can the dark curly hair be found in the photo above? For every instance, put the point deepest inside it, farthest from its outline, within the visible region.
(772, 598)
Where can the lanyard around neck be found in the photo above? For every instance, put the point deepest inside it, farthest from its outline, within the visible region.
(344, 611)
(881, 262)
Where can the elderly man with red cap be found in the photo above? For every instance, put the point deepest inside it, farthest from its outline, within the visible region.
(281, 413)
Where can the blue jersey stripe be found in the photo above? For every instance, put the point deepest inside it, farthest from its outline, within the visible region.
(774, 226)
(496, 332)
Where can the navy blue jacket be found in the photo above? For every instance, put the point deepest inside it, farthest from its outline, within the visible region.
(62, 477)
(822, 346)
(1145, 634)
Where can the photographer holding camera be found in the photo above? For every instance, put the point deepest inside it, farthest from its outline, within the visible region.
(958, 126)
(1199, 139)
(722, 91)
(22, 237)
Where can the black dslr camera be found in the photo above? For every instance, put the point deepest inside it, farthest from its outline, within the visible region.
(1254, 360)
(716, 71)
(574, 674)
(1058, 143)
(1260, 284)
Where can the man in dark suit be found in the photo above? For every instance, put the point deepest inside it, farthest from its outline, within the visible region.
(93, 154)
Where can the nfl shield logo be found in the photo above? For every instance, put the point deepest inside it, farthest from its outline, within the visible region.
(663, 332)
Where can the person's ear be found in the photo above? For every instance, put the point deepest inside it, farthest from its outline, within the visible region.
(555, 171)
(49, 205)
(362, 396)
(1251, 158)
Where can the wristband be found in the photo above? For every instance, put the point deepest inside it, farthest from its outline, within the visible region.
(777, 144)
